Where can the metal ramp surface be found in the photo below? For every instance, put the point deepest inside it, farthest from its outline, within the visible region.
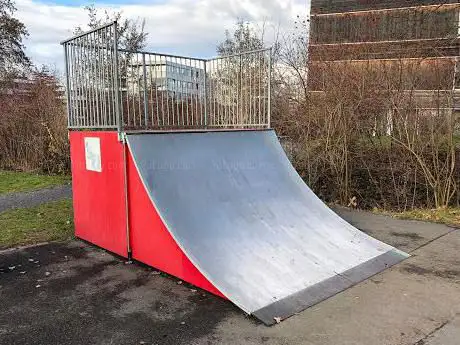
(245, 219)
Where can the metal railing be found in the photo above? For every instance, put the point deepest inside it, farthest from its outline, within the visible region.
(108, 87)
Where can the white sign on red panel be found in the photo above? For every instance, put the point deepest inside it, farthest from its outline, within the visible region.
(93, 154)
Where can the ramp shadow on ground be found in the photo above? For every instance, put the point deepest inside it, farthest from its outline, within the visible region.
(78, 294)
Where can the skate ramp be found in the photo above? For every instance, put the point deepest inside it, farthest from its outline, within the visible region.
(242, 215)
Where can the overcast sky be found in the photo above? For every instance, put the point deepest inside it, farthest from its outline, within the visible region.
(186, 27)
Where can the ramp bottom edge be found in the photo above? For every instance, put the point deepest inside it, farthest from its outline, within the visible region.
(314, 294)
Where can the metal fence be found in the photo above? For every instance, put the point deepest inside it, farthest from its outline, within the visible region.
(108, 87)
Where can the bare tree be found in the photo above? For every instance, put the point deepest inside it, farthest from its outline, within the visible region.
(12, 33)
(131, 32)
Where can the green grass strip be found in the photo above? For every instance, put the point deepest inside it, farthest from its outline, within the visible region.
(14, 181)
(52, 221)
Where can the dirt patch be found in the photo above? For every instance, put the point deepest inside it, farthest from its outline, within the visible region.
(409, 235)
(422, 271)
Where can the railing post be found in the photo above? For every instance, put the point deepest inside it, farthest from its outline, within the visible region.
(240, 82)
(118, 114)
(67, 77)
(269, 106)
(205, 95)
(146, 109)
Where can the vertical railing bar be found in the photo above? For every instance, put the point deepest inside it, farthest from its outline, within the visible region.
(187, 89)
(163, 79)
(269, 88)
(161, 91)
(85, 81)
(117, 88)
(74, 86)
(241, 91)
(151, 85)
(155, 69)
(79, 90)
(112, 77)
(88, 83)
(98, 79)
(227, 93)
(231, 67)
(192, 91)
(219, 93)
(79, 68)
(224, 120)
(183, 72)
(216, 93)
(211, 92)
(87, 118)
(265, 87)
(167, 70)
(235, 89)
(102, 75)
(66, 61)
(259, 68)
(185, 95)
(109, 113)
(171, 87)
(146, 100)
(176, 91)
(129, 83)
(251, 113)
(195, 91)
(94, 78)
(138, 91)
(205, 94)
(173, 92)
(133, 81)
(90, 52)
(71, 87)
(224, 91)
(232, 89)
(109, 70)
(199, 91)
(241, 114)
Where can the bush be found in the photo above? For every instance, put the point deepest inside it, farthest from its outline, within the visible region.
(33, 125)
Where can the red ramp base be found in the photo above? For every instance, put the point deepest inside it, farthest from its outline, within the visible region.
(100, 217)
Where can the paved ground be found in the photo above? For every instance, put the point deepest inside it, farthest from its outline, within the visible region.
(77, 294)
(34, 198)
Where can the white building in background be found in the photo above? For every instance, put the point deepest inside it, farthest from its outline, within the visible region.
(179, 80)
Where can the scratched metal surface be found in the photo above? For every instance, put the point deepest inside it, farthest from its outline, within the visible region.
(244, 217)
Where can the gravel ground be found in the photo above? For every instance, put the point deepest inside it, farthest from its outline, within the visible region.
(34, 198)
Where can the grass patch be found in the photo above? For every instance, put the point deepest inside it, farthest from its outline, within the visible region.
(51, 221)
(448, 216)
(14, 181)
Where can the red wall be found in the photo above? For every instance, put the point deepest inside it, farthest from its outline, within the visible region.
(98, 197)
(99, 211)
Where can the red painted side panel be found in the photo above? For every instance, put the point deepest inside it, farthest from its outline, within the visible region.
(99, 197)
(151, 241)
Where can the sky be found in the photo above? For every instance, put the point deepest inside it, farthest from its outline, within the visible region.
(184, 27)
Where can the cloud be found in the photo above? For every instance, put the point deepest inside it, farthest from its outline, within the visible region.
(186, 27)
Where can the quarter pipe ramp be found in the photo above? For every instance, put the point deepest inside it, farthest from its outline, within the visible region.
(244, 218)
